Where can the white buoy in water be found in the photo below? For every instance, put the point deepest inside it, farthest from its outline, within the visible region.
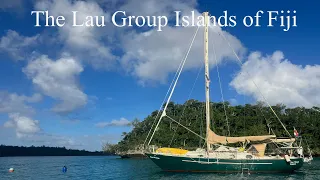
(11, 170)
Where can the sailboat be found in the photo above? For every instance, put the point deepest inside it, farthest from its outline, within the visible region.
(219, 156)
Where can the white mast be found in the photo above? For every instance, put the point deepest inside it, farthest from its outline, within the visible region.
(207, 79)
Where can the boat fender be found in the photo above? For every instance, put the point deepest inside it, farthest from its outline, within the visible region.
(64, 169)
(287, 158)
(11, 170)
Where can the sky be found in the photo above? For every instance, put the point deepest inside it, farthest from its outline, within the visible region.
(80, 87)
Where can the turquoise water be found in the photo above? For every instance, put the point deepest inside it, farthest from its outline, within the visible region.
(96, 168)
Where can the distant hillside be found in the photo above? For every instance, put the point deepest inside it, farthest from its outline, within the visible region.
(45, 151)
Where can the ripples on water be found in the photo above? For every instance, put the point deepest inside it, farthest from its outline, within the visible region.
(96, 168)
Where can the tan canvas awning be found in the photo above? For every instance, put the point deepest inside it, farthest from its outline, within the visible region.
(213, 138)
(259, 148)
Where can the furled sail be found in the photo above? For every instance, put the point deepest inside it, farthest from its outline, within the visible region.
(213, 138)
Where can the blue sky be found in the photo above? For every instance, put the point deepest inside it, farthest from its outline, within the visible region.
(79, 87)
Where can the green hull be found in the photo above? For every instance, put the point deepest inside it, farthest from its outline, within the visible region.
(186, 164)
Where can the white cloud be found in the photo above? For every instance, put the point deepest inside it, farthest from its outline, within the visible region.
(85, 43)
(157, 8)
(57, 140)
(12, 102)
(233, 101)
(53, 140)
(152, 55)
(58, 79)
(23, 125)
(34, 98)
(279, 80)
(17, 46)
(120, 122)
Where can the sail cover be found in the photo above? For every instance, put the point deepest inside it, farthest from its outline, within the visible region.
(213, 138)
